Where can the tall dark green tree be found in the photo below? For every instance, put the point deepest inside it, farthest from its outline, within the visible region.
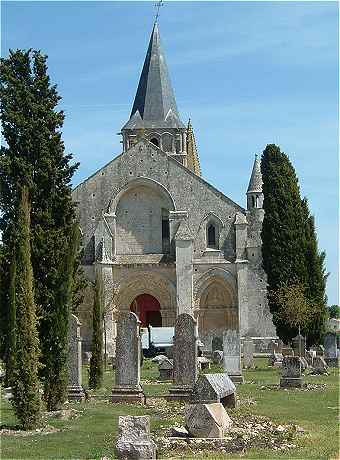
(25, 383)
(35, 155)
(96, 362)
(283, 234)
(316, 279)
(57, 360)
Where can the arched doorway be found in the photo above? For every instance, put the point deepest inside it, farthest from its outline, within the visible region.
(147, 308)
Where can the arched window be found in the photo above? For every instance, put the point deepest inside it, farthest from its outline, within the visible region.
(212, 236)
(155, 141)
(257, 201)
(253, 201)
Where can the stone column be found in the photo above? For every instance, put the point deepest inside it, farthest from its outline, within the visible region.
(128, 356)
(74, 389)
(232, 355)
(185, 357)
(241, 225)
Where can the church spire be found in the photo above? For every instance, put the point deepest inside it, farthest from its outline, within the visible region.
(155, 103)
(254, 191)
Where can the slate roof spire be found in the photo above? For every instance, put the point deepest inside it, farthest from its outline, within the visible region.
(155, 103)
(255, 183)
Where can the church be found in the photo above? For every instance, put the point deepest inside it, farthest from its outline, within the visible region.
(162, 239)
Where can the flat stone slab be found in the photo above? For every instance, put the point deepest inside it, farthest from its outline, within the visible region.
(215, 388)
(207, 420)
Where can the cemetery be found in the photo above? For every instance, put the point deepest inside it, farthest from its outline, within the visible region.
(285, 411)
(144, 313)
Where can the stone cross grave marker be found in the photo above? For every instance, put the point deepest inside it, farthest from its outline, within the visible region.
(128, 356)
(232, 355)
(185, 357)
(299, 346)
(75, 390)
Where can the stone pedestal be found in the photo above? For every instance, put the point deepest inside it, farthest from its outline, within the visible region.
(232, 355)
(75, 391)
(185, 358)
(128, 353)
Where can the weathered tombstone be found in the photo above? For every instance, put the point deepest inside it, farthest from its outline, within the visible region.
(291, 372)
(207, 420)
(319, 365)
(211, 388)
(287, 351)
(275, 359)
(217, 357)
(232, 355)
(75, 390)
(310, 355)
(128, 352)
(217, 344)
(330, 346)
(134, 441)
(299, 346)
(166, 369)
(203, 363)
(248, 353)
(185, 357)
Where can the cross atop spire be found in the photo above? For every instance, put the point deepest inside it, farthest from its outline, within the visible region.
(158, 5)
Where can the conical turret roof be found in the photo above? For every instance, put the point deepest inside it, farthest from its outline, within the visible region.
(155, 103)
(255, 183)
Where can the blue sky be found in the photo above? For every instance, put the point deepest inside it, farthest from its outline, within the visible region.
(246, 73)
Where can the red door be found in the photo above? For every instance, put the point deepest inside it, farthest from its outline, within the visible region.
(147, 309)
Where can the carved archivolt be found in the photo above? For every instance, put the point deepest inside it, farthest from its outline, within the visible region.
(145, 283)
(225, 293)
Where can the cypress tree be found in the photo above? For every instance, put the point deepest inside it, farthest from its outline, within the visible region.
(283, 235)
(26, 396)
(35, 155)
(96, 362)
(316, 280)
(56, 381)
(11, 322)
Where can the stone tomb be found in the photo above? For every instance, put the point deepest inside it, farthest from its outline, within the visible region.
(185, 357)
(166, 369)
(291, 372)
(128, 356)
(232, 355)
(248, 353)
(75, 390)
(330, 346)
(207, 420)
(214, 388)
(134, 440)
(319, 365)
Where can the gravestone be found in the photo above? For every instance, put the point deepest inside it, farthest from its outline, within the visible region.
(128, 357)
(134, 440)
(207, 420)
(299, 346)
(211, 388)
(310, 355)
(74, 389)
(275, 359)
(287, 351)
(185, 357)
(166, 369)
(217, 344)
(203, 363)
(248, 353)
(217, 357)
(319, 365)
(291, 372)
(232, 355)
(330, 347)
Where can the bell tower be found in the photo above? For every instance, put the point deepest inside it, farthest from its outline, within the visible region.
(154, 114)
(254, 192)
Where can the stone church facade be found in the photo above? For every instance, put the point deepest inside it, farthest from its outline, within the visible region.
(162, 239)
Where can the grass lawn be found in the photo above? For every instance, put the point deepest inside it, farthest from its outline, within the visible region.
(92, 434)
